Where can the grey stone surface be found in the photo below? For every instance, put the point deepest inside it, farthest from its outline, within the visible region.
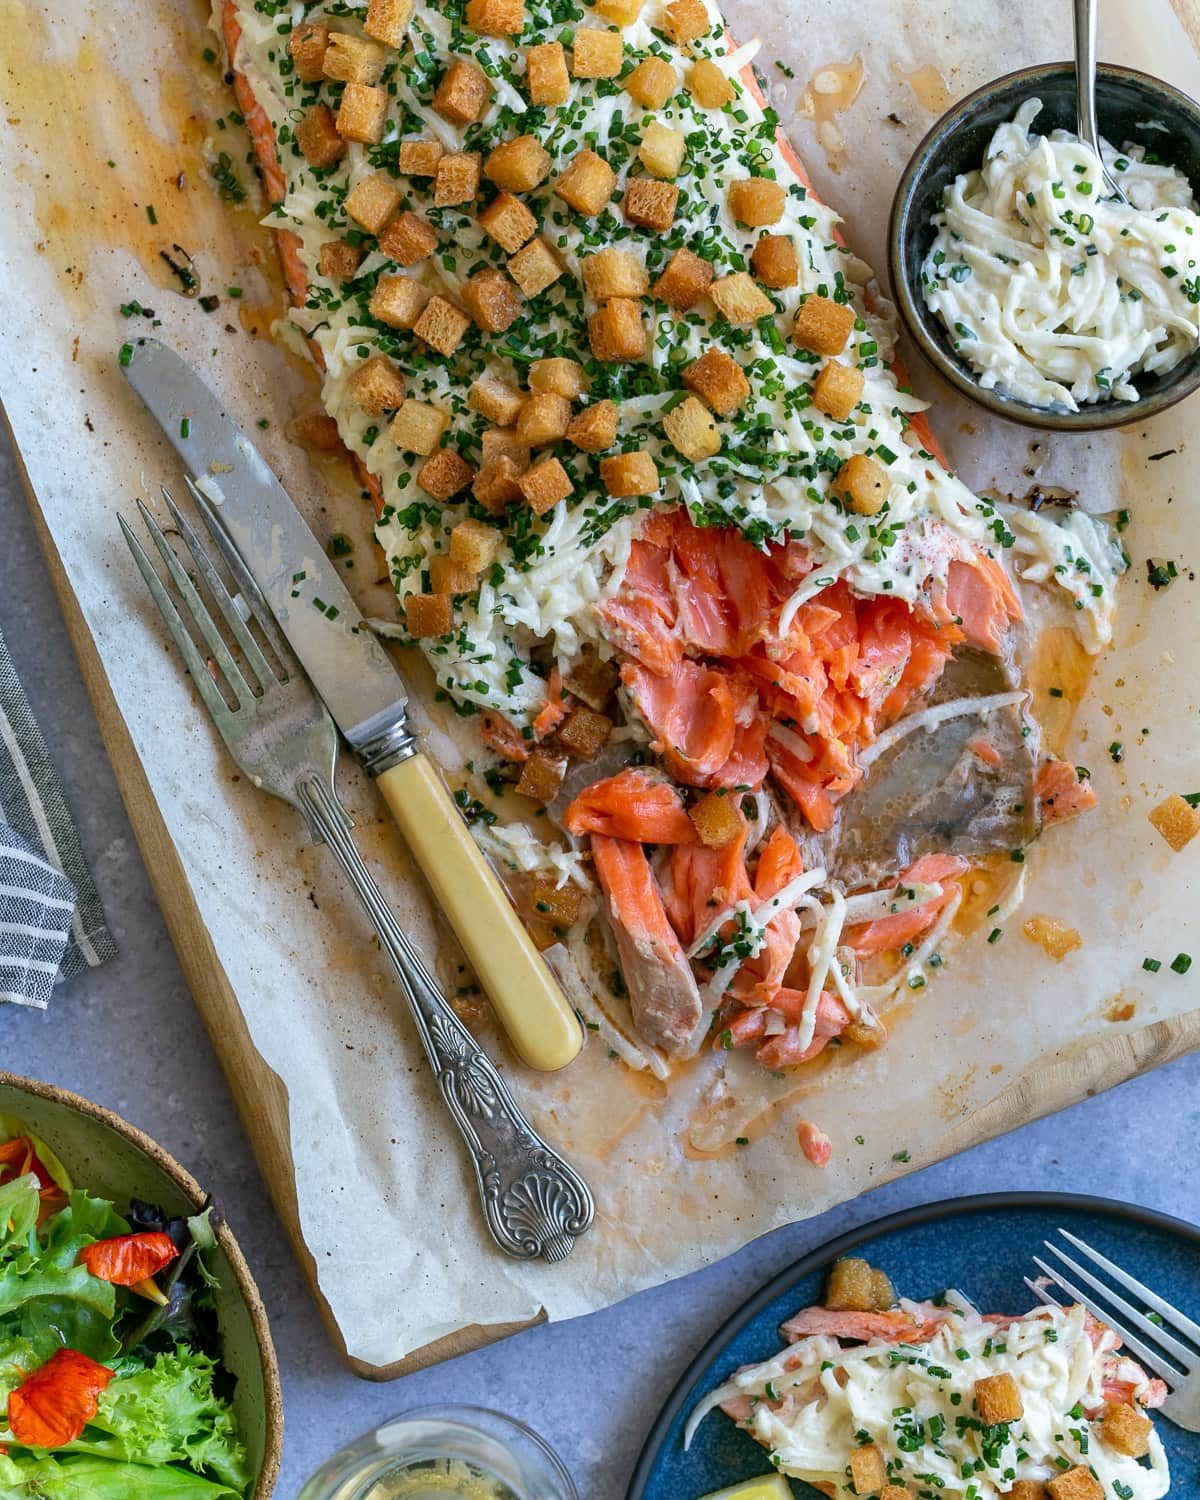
(128, 1036)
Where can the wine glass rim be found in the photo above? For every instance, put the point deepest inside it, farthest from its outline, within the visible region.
(467, 1417)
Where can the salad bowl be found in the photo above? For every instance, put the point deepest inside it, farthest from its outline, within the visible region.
(111, 1159)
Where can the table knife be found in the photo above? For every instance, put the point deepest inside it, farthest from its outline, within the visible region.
(364, 693)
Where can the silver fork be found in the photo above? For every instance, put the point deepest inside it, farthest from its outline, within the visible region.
(281, 735)
(1172, 1360)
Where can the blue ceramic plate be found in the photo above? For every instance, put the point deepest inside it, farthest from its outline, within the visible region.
(980, 1245)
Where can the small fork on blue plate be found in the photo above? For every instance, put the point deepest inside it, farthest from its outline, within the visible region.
(1174, 1351)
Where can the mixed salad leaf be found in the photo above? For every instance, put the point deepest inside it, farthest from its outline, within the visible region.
(111, 1385)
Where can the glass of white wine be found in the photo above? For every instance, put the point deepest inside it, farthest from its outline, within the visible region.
(443, 1452)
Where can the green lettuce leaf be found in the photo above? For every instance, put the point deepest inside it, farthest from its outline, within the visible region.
(167, 1413)
(83, 1478)
(19, 1205)
(46, 1296)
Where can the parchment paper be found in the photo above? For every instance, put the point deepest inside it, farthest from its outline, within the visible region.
(103, 109)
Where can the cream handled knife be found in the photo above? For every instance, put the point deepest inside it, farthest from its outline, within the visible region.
(365, 695)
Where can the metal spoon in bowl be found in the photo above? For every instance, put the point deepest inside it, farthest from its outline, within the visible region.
(1085, 88)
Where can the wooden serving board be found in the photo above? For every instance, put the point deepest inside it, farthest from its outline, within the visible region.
(261, 1100)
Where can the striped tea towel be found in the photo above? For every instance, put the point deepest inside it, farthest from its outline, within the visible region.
(51, 923)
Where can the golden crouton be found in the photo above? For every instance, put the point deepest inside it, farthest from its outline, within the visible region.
(592, 680)
(739, 299)
(616, 332)
(507, 221)
(583, 734)
(1055, 938)
(376, 386)
(315, 432)
(684, 280)
(318, 139)
(492, 300)
(387, 21)
(619, 12)
(998, 1399)
(594, 428)
(823, 325)
(427, 616)
(651, 203)
(626, 475)
(862, 485)
(883, 1293)
(518, 165)
(545, 485)
(587, 184)
(353, 59)
(1126, 1430)
(596, 53)
(756, 201)
(495, 486)
(1177, 820)
(463, 93)
(446, 576)
(558, 904)
(546, 76)
(774, 261)
(456, 179)
(1026, 1489)
(662, 150)
(848, 1287)
(475, 544)
(652, 83)
(565, 377)
(307, 45)
(718, 380)
(496, 17)
(542, 775)
(687, 21)
(338, 259)
(496, 400)
(837, 390)
(408, 239)
(444, 473)
(614, 273)
(710, 87)
(691, 430)
(362, 113)
(544, 419)
(867, 1469)
(716, 819)
(373, 201)
(1078, 1483)
(419, 158)
(442, 325)
(895, 1492)
(503, 442)
(534, 267)
(398, 301)
(417, 428)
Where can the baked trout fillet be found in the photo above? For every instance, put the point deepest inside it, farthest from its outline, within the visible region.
(668, 527)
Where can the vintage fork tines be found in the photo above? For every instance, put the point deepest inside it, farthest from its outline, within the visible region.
(1162, 1338)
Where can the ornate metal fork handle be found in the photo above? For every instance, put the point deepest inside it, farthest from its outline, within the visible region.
(534, 1203)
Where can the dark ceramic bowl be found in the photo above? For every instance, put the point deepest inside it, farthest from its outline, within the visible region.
(956, 144)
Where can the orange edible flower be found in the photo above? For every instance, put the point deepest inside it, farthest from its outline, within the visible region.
(54, 1404)
(129, 1258)
(17, 1157)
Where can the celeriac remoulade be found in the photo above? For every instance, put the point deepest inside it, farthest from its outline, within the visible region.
(1053, 290)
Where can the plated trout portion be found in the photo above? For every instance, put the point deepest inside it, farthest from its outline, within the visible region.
(924, 1400)
(650, 492)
